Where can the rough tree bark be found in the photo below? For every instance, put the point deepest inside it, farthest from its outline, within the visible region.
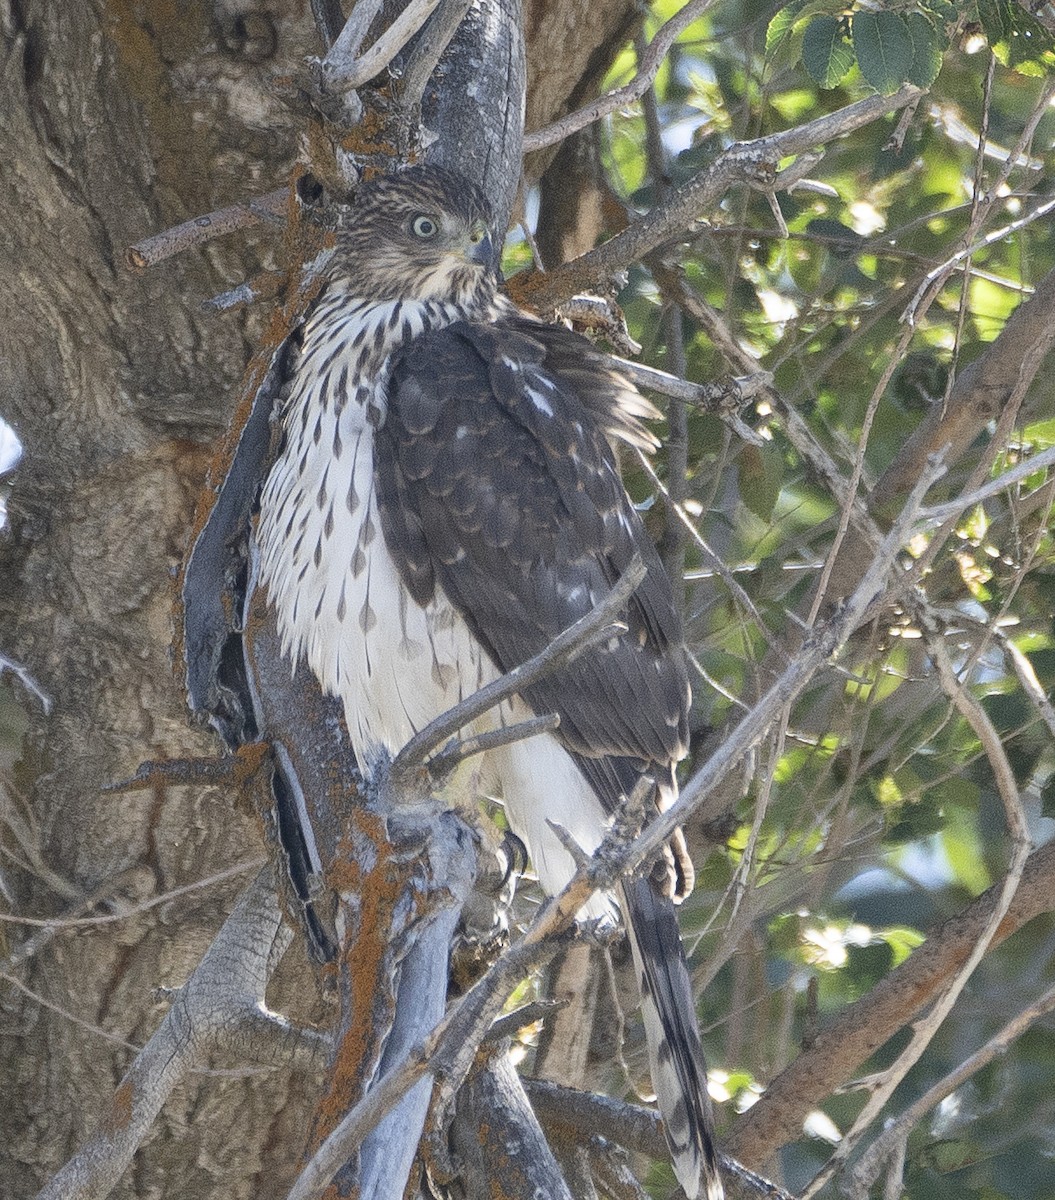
(117, 120)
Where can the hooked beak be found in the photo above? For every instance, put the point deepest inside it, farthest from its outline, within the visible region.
(480, 251)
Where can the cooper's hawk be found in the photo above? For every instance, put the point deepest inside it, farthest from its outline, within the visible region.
(445, 501)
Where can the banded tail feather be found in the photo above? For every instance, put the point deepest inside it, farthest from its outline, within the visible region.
(679, 1072)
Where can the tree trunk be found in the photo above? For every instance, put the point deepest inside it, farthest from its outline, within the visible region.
(117, 120)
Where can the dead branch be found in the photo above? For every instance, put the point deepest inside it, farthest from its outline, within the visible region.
(495, 1135)
(344, 69)
(448, 1052)
(105, 893)
(798, 433)
(244, 215)
(1009, 362)
(450, 756)
(110, 891)
(220, 1008)
(25, 678)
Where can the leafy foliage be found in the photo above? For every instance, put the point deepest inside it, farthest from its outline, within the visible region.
(897, 43)
(874, 812)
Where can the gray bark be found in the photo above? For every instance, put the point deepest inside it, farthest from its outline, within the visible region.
(118, 120)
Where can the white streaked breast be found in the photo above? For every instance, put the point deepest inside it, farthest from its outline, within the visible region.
(338, 595)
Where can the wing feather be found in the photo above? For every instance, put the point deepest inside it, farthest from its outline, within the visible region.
(498, 483)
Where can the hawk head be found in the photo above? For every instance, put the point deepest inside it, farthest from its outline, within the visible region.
(422, 234)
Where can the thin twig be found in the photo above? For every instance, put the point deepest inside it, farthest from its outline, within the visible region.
(980, 207)
(527, 1014)
(867, 1168)
(34, 944)
(25, 678)
(70, 922)
(341, 71)
(975, 715)
(1027, 677)
(67, 1014)
(853, 488)
(722, 399)
(714, 560)
(263, 210)
(450, 756)
(650, 62)
(564, 649)
(911, 313)
(1022, 470)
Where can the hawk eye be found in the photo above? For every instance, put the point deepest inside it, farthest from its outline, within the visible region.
(423, 226)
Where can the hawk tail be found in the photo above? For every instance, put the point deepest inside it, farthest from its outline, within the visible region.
(679, 1073)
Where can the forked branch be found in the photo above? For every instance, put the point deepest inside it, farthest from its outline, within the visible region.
(220, 1008)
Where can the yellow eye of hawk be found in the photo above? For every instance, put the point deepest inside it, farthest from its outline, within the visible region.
(423, 226)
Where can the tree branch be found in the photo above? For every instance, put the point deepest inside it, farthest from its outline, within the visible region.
(328, 20)
(723, 399)
(630, 1125)
(924, 1029)
(862, 1027)
(429, 46)
(442, 763)
(1016, 474)
(866, 1170)
(344, 69)
(744, 162)
(649, 64)
(244, 215)
(564, 649)
(221, 1006)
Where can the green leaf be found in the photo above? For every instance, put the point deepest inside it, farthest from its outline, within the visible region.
(944, 10)
(1017, 40)
(761, 478)
(901, 940)
(785, 32)
(995, 18)
(778, 32)
(826, 53)
(884, 49)
(927, 46)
